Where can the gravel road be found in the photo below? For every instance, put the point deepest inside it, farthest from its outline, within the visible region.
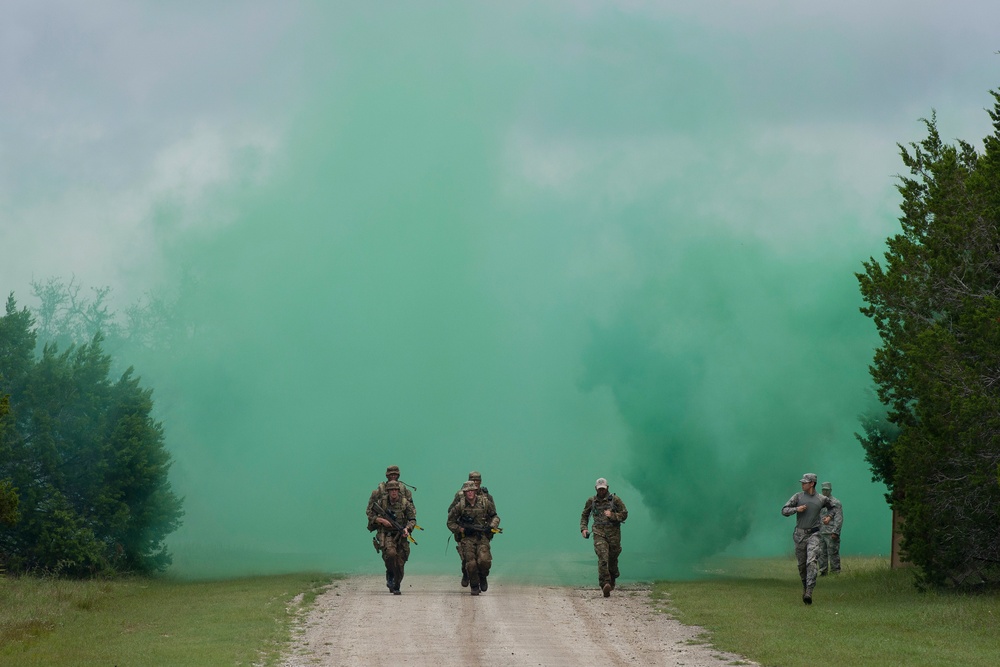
(437, 623)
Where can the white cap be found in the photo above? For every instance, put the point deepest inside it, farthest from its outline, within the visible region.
(601, 483)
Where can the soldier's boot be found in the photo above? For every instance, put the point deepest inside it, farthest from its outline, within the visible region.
(807, 596)
(613, 583)
(390, 583)
(475, 589)
(606, 588)
(483, 585)
(465, 577)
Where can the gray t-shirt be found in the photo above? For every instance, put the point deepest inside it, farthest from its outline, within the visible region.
(809, 518)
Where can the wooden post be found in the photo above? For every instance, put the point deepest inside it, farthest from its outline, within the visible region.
(896, 560)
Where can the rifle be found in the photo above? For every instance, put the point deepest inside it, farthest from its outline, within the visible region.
(391, 518)
(479, 529)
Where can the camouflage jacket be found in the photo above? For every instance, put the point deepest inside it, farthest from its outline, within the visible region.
(483, 492)
(836, 522)
(475, 518)
(595, 507)
(381, 495)
(402, 512)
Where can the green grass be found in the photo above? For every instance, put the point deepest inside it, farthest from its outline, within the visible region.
(867, 615)
(138, 621)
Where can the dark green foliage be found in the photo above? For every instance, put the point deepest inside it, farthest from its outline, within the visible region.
(878, 440)
(936, 305)
(8, 494)
(86, 458)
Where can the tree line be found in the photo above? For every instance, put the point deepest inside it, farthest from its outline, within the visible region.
(84, 486)
(935, 301)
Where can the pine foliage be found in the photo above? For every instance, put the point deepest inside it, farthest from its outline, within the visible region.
(935, 302)
(85, 461)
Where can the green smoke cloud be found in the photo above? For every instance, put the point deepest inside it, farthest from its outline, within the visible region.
(550, 244)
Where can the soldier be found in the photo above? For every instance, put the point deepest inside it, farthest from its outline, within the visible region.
(829, 533)
(394, 518)
(806, 506)
(472, 521)
(391, 473)
(609, 513)
(380, 495)
(477, 479)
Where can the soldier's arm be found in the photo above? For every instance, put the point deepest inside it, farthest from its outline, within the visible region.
(370, 510)
(791, 507)
(453, 520)
(832, 508)
(585, 516)
(621, 512)
(410, 514)
(838, 520)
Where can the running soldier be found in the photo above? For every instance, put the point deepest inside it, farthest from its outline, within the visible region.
(394, 518)
(380, 495)
(609, 512)
(806, 506)
(477, 479)
(829, 533)
(472, 521)
(391, 473)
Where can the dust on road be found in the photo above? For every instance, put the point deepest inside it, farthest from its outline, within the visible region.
(436, 623)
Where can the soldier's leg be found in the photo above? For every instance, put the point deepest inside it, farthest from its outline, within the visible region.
(812, 567)
(402, 555)
(391, 559)
(800, 557)
(824, 554)
(602, 549)
(465, 575)
(614, 550)
(471, 566)
(484, 561)
(834, 554)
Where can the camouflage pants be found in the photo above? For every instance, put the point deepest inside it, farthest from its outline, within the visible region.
(807, 546)
(476, 556)
(829, 553)
(607, 546)
(395, 553)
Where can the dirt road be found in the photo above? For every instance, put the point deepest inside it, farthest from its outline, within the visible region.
(437, 623)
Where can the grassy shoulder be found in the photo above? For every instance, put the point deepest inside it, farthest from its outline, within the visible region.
(867, 615)
(140, 621)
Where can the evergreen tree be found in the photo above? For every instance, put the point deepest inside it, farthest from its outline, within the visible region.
(936, 306)
(86, 457)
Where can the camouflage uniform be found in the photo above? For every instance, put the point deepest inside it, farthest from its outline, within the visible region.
(476, 477)
(829, 533)
(394, 545)
(471, 523)
(607, 534)
(806, 533)
(380, 495)
(380, 492)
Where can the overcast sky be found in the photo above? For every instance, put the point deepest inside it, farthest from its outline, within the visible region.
(109, 109)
